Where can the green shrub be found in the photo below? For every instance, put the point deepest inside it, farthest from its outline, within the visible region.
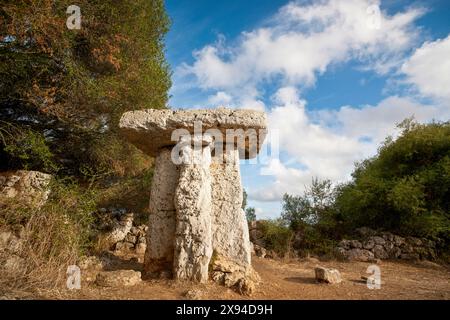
(406, 187)
(277, 236)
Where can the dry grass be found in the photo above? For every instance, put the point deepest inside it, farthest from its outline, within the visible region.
(51, 238)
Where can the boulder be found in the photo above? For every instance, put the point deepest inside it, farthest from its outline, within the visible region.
(369, 244)
(260, 251)
(234, 275)
(331, 276)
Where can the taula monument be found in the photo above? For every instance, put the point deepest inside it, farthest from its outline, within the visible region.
(197, 228)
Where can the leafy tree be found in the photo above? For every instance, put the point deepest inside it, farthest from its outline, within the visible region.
(71, 86)
(250, 214)
(244, 199)
(406, 187)
(311, 208)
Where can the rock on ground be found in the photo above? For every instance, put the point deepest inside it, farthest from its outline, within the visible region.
(118, 278)
(331, 276)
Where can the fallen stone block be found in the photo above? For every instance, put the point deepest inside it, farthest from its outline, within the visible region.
(326, 275)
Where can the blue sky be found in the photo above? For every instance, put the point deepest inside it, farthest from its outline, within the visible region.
(333, 76)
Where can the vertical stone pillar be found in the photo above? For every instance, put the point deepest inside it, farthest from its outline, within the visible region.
(230, 230)
(162, 218)
(193, 245)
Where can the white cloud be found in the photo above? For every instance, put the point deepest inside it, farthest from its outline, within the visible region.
(220, 98)
(429, 69)
(301, 42)
(326, 144)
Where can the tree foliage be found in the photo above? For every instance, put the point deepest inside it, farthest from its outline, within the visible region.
(71, 86)
(406, 187)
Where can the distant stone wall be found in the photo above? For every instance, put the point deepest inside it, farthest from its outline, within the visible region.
(374, 245)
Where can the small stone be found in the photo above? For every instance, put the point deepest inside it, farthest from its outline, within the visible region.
(91, 262)
(331, 276)
(30, 187)
(140, 248)
(124, 246)
(345, 244)
(245, 287)
(142, 240)
(388, 245)
(387, 236)
(118, 278)
(218, 276)
(131, 237)
(407, 248)
(260, 251)
(193, 294)
(398, 241)
(134, 231)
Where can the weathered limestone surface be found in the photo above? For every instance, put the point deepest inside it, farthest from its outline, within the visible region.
(193, 243)
(230, 228)
(30, 187)
(150, 130)
(196, 220)
(162, 218)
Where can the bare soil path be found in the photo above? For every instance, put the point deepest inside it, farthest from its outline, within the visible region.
(295, 280)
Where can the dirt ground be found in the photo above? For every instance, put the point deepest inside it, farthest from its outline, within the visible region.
(295, 280)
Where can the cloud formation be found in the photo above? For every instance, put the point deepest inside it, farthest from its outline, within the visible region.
(301, 42)
(297, 45)
(428, 69)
